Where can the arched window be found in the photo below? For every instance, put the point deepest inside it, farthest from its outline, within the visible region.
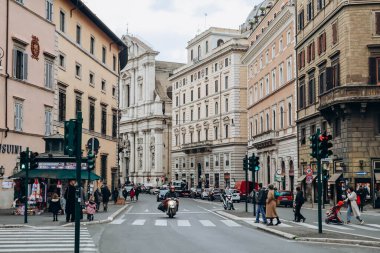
(199, 51)
(216, 108)
(206, 47)
(250, 130)
(267, 122)
(206, 134)
(216, 132)
(261, 124)
(256, 130)
(274, 119)
(289, 114)
(226, 105)
(220, 42)
(226, 128)
(281, 118)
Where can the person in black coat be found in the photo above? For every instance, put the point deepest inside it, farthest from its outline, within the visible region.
(97, 197)
(70, 201)
(55, 206)
(137, 192)
(298, 204)
(106, 194)
(115, 195)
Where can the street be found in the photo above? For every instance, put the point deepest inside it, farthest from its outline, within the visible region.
(196, 228)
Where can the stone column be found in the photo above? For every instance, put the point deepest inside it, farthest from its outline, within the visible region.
(159, 149)
(132, 163)
(133, 86)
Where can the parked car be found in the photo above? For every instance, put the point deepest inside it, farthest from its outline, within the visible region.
(285, 198)
(154, 191)
(215, 194)
(195, 192)
(184, 193)
(235, 195)
(205, 193)
(148, 188)
(161, 194)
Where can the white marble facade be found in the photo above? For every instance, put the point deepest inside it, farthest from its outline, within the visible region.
(145, 124)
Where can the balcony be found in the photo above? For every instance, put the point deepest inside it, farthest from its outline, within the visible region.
(263, 140)
(197, 147)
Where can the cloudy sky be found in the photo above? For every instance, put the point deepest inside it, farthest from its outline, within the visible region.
(167, 25)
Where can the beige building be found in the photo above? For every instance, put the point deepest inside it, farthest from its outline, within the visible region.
(209, 111)
(87, 74)
(27, 83)
(146, 107)
(271, 92)
(338, 53)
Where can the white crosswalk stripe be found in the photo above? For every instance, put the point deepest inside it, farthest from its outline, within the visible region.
(138, 222)
(183, 223)
(207, 223)
(161, 223)
(363, 227)
(231, 223)
(44, 240)
(374, 225)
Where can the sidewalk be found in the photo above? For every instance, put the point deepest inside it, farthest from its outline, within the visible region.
(46, 219)
(301, 233)
(367, 208)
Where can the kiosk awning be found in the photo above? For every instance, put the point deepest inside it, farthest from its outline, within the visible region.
(301, 178)
(334, 177)
(55, 174)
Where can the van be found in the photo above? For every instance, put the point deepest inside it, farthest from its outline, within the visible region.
(242, 187)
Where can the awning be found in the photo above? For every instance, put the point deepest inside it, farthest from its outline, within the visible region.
(55, 174)
(301, 178)
(334, 177)
(377, 176)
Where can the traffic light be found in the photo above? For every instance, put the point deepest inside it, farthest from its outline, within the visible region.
(325, 175)
(24, 159)
(90, 161)
(245, 163)
(256, 163)
(324, 146)
(33, 162)
(252, 162)
(314, 146)
(70, 143)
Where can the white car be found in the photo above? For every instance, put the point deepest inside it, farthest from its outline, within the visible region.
(235, 195)
(205, 193)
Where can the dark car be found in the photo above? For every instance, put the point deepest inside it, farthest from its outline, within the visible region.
(285, 198)
(161, 194)
(195, 192)
(184, 193)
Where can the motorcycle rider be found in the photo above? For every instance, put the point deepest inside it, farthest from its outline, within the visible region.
(170, 194)
(224, 197)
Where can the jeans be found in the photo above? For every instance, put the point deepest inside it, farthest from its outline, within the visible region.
(349, 213)
(260, 209)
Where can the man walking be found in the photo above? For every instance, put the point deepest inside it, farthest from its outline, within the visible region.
(298, 202)
(261, 199)
(70, 201)
(106, 193)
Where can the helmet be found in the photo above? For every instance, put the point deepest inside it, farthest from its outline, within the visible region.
(340, 203)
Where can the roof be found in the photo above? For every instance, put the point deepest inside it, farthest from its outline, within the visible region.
(55, 174)
(99, 23)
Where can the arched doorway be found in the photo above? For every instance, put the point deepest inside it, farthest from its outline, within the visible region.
(283, 175)
(291, 175)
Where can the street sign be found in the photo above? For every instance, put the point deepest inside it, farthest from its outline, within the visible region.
(309, 179)
(309, 170)
(362, 173)
(278, 172)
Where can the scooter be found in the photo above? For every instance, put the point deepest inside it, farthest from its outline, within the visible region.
(227, 202)
(172, 207)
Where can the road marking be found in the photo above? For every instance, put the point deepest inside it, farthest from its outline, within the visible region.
(161, 223)
(207, 223)
(185, 210)
(146, 210)
(183, 223)
(162, 213)
(363, 227)
(341, 227)
(307, 225)
(374, 225)
(138, 222)
(48, 250)
(284, 225)
(230, 223)
(118, 221)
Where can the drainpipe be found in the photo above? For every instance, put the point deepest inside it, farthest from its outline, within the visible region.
(6, 72)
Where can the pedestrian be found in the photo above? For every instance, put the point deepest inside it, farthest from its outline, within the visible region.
(70, 201)
(106, 194)
(98, 198)
(115, 195)
(362, 194)
(137, 192)
(82, 201)
(298, 202)
(261, 199)
(125, 193)
(55, 206)
(271, 202)
(352, 208)
(132, 194)
(90, 208)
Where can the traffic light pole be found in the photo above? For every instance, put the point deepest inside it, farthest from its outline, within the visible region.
(26, 186)
(319, 175)
(78, 157)
(253, 191)
(246, 190)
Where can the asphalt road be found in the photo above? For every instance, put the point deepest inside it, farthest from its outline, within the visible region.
(196, 228)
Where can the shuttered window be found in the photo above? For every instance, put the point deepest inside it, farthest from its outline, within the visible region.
(49, 10)
(20, 64)
(302, 94)
(104, 121)
(62, 105)
(48, 120)
(49, 77)
(311, 89)
(18, 115)
(334, 33)
(377, 22)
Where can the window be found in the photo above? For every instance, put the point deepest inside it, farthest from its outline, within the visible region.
(191, 55)
(62, 61)
(176, 119)
(62, 105)
(49, 10)
(191, 139)
(320, 4)
(261, 89)
(191, 114)
(337, 127)
(267, 57)
(226, 131)
(206, 134)
(226, 82)
(199, 136)
(267, 84)
(226, 62)
(199, 74)
(183, 138)
(313, 129)
(335, 73)
(289, 70)
(219, 42)
(377, 23)
(267, 119)
(273, 51)
(226, 105)
(206, 47)
(91, 79)
(216, 132)
(261, 62)
(273, 79)
(311, 88)
(48, 120)
(18, 115)
(191, 95)
(215, 67)
(183, 117)
(310, 11)
(20, 64)
(206, 111)
(184, 98)
(91, 121)
(322, 43)
(311, 52)
(303, 136)
(274, 119)
(280, 46)
(206, 70)
(206, 89)
(104, 120)
(281, 73)
(113, 91)
(302, 93)
(103, 85)
(104, 54)
(49, 76)
(301, 20)
(176, 142)
(216, 86)
(191, 78)
(261, 124)
(103, 167)
(199, 113)
(289, 114)
(78, 71)
(301, 59)
(281, 117)
(176, 101)
(20, 1)
(92, 45)
(334, 28)
(216, 108)
(62, 23)
(256, 129)
(78, 103)
(288, 38)
(78, 34)
(199, 92)
(114, 123)
(322, 80)
(199, 52)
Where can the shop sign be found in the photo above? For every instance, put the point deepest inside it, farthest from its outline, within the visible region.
(59, 166)
(10, 149)
(362, 173)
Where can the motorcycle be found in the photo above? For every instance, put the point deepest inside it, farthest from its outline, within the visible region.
(172, 207)
(227, 202)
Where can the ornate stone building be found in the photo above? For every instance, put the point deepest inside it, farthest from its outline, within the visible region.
(209, 110)
(145, 124)
(338, 55)
(272, 133)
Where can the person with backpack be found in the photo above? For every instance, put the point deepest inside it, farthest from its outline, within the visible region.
(298, 202)
(261, 199)
(271, 212)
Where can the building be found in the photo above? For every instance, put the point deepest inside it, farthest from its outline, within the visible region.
(338, 54)
(272, 133)
(209, 110)
(87, 74)
(27, 56)
(145, 125)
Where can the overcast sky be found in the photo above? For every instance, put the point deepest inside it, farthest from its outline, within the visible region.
(167, 25)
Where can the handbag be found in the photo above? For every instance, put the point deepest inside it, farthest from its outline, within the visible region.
(358, 200)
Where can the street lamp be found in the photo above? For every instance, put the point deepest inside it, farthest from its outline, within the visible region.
(2, 170)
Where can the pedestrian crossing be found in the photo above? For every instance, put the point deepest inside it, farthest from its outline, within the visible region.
(44, 239)
(179, 223)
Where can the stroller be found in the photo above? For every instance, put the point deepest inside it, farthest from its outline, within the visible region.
(333, 214)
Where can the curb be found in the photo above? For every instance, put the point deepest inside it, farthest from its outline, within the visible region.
(109, 219)
(341, 241)
(277, 232)
(15, 226)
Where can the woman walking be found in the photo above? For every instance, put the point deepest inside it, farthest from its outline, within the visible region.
(271, 207)
(352, 208)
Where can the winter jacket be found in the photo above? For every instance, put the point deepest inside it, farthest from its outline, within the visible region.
(299, 199)
(106, 194)
(271, 205)
(90, 207)
(262, 196)
(351, 200)
(55, 206)
(70, 199)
